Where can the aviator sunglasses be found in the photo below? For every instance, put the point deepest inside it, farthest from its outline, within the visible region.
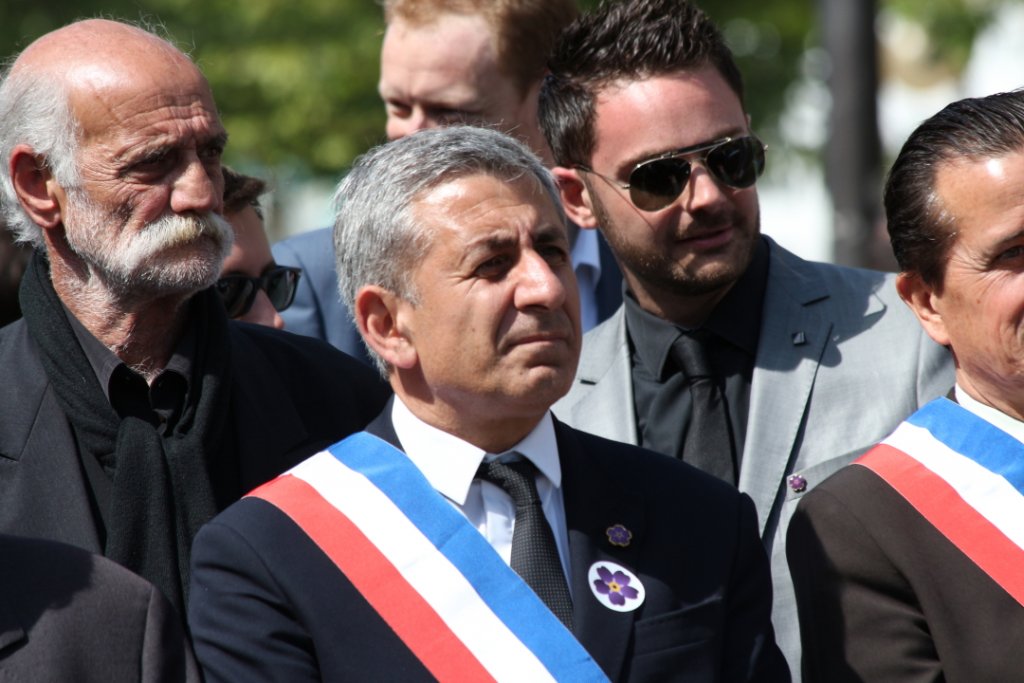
(238, 292)
(657, 182)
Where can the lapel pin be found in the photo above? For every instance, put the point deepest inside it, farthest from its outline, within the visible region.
(619, 535)
(615, 587)
(797, 483)
(799, 338)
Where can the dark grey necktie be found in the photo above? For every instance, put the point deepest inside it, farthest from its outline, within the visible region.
(534, 552)
(708, 445)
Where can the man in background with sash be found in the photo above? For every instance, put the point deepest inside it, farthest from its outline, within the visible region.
(909, 564)
(467, 534)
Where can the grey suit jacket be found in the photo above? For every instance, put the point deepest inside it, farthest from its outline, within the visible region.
(840, 362)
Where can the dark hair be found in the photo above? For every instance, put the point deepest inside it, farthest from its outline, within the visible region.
(524, 30)
(623, 41)
(242, 190)
(921, 228)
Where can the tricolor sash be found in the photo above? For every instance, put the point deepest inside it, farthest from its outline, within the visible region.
(424, 568)
(966, 477)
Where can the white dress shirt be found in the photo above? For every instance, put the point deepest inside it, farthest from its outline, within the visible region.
(993, 416)
(450, 465)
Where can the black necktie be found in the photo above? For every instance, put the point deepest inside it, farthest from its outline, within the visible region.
(708, 445)
(534, 552)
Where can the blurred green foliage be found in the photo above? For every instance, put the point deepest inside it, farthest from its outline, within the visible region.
(296, 79)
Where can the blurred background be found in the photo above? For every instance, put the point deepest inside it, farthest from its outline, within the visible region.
(833, 87)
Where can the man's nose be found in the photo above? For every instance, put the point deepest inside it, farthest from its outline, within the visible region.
(539, 284)
(198, 189)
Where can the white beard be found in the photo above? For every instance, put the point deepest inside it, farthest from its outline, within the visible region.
(139, 265)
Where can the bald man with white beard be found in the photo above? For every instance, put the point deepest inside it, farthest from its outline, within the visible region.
(126, 394)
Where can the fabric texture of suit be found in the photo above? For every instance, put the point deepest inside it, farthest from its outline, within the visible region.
(840, 362)
(69, 615)
(291, 396)
(266, 604)
(319, 312)
(884, 596)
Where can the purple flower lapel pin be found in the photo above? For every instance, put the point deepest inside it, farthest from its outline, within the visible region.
(619, 535)
(615, 587)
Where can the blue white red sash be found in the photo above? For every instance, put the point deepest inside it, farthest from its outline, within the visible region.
(425, 569)
(966, 477)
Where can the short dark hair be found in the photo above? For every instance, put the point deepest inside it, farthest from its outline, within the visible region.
(921, 228)
(622, 41)
(242, 190)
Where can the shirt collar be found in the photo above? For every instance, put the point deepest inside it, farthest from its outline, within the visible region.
(450, 464)
(997, 418)
(737, 317)
(104, 361)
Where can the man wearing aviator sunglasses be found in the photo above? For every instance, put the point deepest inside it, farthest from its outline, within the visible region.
(728, 352)
(657, 182)
(253, 288)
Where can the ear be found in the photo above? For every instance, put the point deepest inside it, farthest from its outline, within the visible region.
(378, 315)
(40, 195)
(925, 302)
(575, 196)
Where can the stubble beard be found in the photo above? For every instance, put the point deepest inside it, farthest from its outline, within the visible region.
(138, 266)
(658, 269)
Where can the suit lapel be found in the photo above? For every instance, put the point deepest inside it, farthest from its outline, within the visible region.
(593, 504)
(795, 329)
(603, 384)
(38, 453)
(383, 428)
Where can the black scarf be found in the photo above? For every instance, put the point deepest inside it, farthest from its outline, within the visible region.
(164, 487)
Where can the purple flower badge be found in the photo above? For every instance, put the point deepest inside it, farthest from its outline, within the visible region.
(619, 535)
(616, 587)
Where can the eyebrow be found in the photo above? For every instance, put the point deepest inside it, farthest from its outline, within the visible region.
(220, 138)
(546, 234)
(1015, 236)
(144, 151)
(549, 233)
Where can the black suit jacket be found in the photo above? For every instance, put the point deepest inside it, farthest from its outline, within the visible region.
(69, 615)
(268, 605)
(291, 396)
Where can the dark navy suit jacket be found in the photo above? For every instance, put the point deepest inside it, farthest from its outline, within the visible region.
(268, 605)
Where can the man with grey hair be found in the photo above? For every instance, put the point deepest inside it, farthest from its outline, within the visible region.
(467, 533)
(128, 400)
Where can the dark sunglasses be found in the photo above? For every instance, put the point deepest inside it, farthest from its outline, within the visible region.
(657, 182)
(238, 292)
